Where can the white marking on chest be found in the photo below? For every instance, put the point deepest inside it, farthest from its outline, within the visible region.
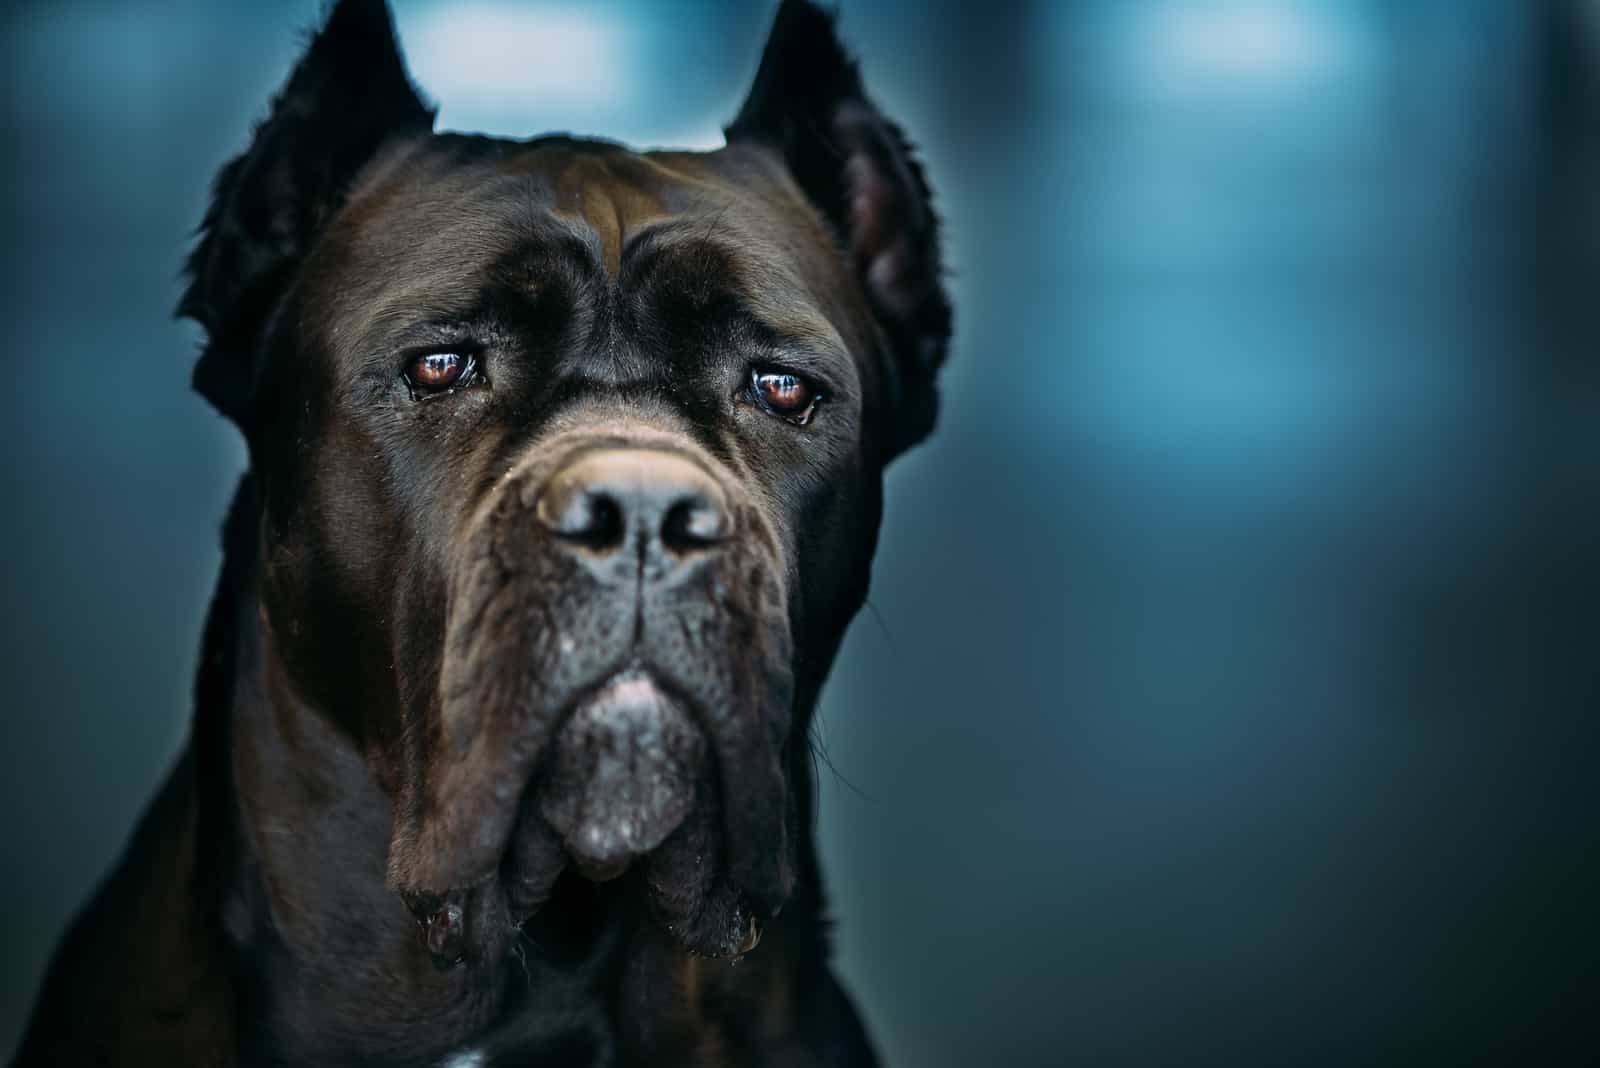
(467, 1058)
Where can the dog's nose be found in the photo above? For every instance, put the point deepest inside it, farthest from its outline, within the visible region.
(609, 499)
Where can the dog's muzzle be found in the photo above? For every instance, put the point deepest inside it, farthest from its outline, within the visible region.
(626, 760)
(615, 692)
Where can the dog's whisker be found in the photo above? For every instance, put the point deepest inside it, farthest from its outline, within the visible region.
(883, 627)
(819, 753)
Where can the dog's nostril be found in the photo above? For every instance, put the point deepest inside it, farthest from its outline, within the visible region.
(693, 523)
(592, 518)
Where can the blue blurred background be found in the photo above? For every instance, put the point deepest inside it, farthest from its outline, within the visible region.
(1228, 685)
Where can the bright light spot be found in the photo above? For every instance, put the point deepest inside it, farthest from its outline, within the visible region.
(493, 63)
(1244, 43)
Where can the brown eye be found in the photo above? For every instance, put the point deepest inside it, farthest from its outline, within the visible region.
(785, 394)
(435, 372)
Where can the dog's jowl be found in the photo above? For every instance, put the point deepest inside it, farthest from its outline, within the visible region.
(565, 469)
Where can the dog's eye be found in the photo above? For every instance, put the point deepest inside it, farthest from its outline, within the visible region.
(786, 395)
(437, 372)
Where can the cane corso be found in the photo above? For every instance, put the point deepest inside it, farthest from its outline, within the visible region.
(565, 478)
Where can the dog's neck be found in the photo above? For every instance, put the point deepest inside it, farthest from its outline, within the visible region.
(327, 961)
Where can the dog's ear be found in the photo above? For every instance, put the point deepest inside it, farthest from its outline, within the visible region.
(859, 170)
(348, 95)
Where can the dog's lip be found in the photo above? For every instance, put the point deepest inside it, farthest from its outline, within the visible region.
(622, 771)
(635, 679)
(632, 687)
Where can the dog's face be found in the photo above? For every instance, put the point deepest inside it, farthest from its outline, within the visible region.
(570, 460)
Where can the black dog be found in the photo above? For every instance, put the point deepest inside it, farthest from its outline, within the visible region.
(565, 481)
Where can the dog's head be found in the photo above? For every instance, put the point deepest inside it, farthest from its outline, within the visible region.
(570, 459)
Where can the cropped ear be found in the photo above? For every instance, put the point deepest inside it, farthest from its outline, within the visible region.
(348, 95)
(858, 169)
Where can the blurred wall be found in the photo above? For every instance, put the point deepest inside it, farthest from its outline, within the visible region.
(1227, 689)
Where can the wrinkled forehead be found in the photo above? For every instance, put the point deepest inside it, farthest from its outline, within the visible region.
(438, 224)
